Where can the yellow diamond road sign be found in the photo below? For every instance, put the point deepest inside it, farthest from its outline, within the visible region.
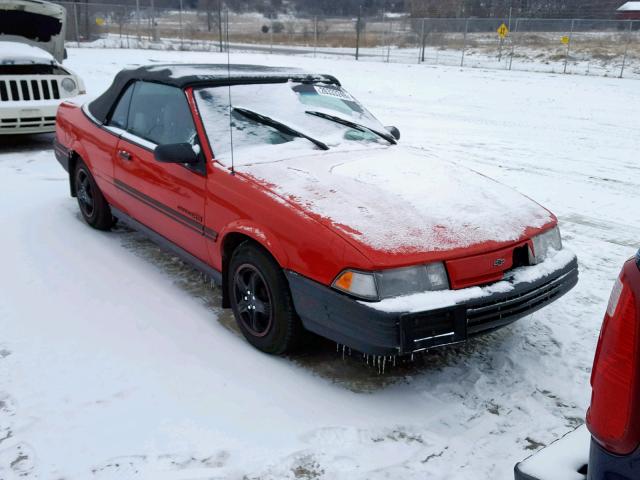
(503, 30)
(565, 40)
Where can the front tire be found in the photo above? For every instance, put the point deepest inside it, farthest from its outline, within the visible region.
(261, 301)
(93, 206)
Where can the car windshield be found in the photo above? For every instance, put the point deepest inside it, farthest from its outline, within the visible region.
(273, 121)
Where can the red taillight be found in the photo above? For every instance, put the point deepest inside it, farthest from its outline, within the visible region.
(614, 379)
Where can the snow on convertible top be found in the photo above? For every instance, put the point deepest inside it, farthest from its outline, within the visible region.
(218, 71)
(16, 53)
(396, 199)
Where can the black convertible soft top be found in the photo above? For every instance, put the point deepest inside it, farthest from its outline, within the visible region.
(200, 75)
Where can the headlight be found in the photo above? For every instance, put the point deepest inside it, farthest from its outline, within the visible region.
(68, 84)
(544, 243)
(393, 283)
(358, 284)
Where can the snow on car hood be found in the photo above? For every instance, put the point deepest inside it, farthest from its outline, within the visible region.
(16, 53)
(395, 199)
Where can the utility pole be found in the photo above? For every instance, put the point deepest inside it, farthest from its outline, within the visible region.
(389, 34)
(358, 28)
(181, 34)
(626, 48)
(566, 58)
(271, 33)
(464, 41)
(152, 18)
(422, 43)
(75, 22)
(86, 20)
(138, 21)
(315, 35)
(220, 24)
(513, 43)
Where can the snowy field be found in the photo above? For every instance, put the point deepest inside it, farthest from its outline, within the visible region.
(597, 55)
(116, 361)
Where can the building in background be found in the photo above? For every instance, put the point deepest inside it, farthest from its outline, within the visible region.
(629, 11)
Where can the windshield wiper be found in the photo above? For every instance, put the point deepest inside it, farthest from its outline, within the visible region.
(343, 121)
(258, 117)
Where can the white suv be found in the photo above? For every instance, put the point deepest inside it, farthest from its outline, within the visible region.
(32, 85)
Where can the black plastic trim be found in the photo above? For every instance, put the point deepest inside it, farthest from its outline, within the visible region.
(211, 234)
(62, 154)
(355, 324)
(167, 244)
(518, 304)
(604, 465)
(520, 475)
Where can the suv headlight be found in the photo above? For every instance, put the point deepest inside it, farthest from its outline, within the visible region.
(544, 243)
(393, 283)
(68, 84)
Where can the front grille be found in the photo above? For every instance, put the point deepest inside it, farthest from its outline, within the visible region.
(484, 316)
(435, 328)
(27, 90)
(27, 122)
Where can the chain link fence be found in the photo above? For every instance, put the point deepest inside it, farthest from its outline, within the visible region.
(589, 47)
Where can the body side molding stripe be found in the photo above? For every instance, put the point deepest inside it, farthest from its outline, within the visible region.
(168, 211)
(212, 234)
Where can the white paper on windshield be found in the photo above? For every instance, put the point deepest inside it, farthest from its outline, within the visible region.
(333, 92)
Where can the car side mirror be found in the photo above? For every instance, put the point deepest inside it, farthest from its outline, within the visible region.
(176, 153)
(395, 133)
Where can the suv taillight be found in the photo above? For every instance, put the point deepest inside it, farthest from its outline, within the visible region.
(615, 380)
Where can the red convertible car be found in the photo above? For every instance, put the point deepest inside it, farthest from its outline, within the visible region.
(285, 190)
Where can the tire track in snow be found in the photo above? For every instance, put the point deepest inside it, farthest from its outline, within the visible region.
(624, 235)
(17, 458)
(165, 466)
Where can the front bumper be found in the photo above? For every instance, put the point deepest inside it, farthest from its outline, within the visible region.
(29, 117)
(411, 324)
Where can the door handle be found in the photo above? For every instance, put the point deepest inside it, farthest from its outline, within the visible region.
(124, 155)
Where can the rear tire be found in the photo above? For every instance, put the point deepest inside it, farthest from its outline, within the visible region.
(261, 301)
(93, 206)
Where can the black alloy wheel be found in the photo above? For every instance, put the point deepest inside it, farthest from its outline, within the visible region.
(253, 300)
(84, 192)
(93, 206)
(261, 300)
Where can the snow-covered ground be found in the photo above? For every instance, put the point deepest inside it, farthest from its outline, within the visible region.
(116, 361)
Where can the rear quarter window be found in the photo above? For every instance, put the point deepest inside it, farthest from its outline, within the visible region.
(120, 114)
